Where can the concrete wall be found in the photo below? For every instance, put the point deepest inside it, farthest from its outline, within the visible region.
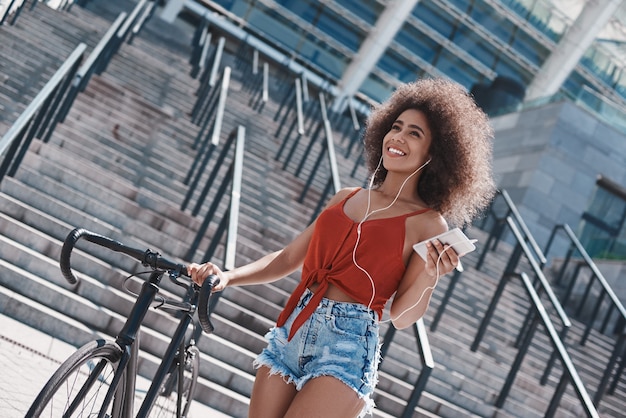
(548, 158)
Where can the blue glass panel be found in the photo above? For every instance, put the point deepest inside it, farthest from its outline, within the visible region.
(488, 18)
(506, 68)
(458, 70)
(238, 7)
(418, 43)
(305, 9)
(462, 5)
(532, 50)
(376, 88)
(475, 46)
(436, 18)
(368, 10)
(275, 28)
(323, 57)
(339, 29)
(398, 66)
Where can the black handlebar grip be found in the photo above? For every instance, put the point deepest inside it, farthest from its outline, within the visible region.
(204, 305)
(66, 251)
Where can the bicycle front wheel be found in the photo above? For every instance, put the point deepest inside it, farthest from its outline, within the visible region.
(176, 394)
(80, 384)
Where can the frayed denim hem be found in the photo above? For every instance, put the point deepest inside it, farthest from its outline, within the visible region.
(268, 361)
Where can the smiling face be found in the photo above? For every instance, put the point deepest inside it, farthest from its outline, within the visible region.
(406, 145)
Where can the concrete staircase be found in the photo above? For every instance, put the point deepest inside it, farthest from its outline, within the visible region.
(117, 166)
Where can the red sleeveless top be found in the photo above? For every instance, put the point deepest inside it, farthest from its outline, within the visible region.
(329, 260)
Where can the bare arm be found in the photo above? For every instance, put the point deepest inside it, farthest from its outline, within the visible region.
(418, 283)
(268, 268)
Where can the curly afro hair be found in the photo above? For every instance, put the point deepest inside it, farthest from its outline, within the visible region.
(458, 182)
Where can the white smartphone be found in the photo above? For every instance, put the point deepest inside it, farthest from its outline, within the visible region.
(454, 237)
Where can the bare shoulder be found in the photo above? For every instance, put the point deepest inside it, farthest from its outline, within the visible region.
(425, 225)
(340, 195)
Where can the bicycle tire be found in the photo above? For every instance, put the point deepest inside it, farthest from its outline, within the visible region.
(63, 389)
(171, 393)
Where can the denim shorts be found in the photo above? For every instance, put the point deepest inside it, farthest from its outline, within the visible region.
(339, 339)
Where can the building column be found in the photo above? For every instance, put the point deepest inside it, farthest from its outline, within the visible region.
(387, 26)
(172, 9)
(558, 66)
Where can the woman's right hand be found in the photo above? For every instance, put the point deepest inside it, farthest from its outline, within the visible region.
(199, 273)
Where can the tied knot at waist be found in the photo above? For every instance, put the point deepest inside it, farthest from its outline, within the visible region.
(319, 276)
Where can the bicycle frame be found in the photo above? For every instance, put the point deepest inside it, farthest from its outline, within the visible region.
(127, 339)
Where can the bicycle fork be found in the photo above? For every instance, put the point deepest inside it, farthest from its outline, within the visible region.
(170, 354)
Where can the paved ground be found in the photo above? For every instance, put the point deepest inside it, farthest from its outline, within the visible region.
(27, 360)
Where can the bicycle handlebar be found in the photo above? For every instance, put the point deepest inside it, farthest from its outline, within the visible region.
(148, 258)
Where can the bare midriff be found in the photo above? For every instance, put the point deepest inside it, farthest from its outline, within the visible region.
(333, 293)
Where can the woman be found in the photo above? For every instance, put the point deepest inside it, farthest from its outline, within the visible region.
(429, 151)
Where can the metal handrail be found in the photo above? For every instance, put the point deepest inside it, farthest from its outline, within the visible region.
(291, 101)
(495, 235)
(539, 310)
(606, 290)
(36, 118)
(125, 29)
(16, 12)
(210, 142)
(426, 357)
(229, 221)
(140, 22)
(568, 365)
(95, 63)
(498, 229)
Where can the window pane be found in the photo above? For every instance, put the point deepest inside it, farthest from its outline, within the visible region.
(418, 43)
(529, 48)
(376, 88)
(398, 66)
(475, 46)
(434, 17)
(607, 207)
(457, 70)
(368, 10)
(339, 29)
(595, 240)
(493, 22)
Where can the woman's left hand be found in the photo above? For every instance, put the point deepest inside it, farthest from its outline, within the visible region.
(441, 260)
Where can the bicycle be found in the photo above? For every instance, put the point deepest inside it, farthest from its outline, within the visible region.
(99, 378)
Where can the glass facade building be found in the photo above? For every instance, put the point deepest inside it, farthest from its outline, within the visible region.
(469, 41)
(473, 42)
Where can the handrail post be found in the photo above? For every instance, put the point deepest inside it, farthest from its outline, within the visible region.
(521, 353)
(428, 364)
(28, 122)
(444, 300)
(482, 329)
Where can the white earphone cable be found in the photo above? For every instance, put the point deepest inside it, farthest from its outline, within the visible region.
(368, 214)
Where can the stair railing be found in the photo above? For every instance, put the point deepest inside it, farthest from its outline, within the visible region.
(495, 235)
(499, 227)
(95, 63)
(540, 313)
(14, 7)
(522, 248)
(147, 13)
(615, 306)
(229, 221)
(292, 101)
(328, 150)
(202, 108)
(125, 30)
(256, 82)
(40, 117)
(208, 140)
(427, 362)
